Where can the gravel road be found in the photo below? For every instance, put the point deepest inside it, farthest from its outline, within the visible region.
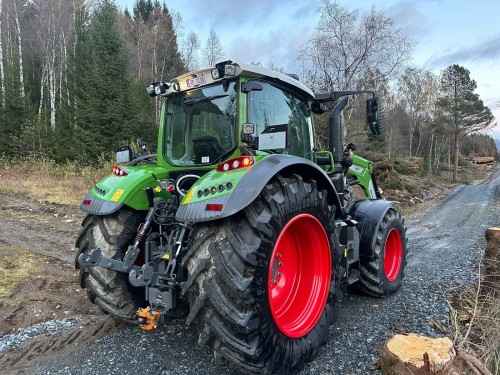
(445, 245)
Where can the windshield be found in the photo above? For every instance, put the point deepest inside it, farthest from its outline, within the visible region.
(201, 125)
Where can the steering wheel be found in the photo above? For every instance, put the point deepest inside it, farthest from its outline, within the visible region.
(183, 181)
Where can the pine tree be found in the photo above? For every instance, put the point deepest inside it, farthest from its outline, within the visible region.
(103, 114)
(155, 56)
(463, 111)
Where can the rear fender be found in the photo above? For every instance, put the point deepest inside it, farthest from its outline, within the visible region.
(112, 192)
(245, 186)
(369, 214)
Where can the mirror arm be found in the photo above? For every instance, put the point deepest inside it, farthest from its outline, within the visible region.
(335, 95)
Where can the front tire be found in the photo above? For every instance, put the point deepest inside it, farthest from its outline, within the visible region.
(110, 290)
(383, 275)
(262, 282)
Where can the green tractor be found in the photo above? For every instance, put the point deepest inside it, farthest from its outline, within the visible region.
(238, 223)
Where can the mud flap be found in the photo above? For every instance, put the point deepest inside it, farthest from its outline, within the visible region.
(369, 214)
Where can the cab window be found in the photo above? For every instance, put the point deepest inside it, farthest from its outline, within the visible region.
(275, 110)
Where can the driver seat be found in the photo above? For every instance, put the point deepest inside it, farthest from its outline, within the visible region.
(206, 146)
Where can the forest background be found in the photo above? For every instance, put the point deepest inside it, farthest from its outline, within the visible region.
(73, 76)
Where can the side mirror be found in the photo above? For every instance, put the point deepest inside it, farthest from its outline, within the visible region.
(251, 86)
(141, 143)
(318, 108)
(373, 116)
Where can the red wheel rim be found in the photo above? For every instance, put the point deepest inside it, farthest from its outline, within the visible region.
(393, 254)
(299, 276)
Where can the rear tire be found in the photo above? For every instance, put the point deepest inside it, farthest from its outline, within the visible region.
(239, 290)
(383, 275)
(108, 289)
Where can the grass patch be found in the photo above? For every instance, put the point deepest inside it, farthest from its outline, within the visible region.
(475, 315)
(43, 179)
(16, 265)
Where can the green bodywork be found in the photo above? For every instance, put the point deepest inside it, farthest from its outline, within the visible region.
(215, 179)
(362, 169)
(129, 190)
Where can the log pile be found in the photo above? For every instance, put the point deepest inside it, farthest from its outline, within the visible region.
(482, 159)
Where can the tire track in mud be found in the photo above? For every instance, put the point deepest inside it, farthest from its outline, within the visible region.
(24, 360)
(52, 295)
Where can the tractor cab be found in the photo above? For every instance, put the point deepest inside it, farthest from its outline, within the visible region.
(214, 114)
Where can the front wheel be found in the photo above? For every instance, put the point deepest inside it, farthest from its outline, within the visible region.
(262, 283)
(383, 275)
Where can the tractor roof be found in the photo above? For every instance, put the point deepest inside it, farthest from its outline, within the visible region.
(208, 76)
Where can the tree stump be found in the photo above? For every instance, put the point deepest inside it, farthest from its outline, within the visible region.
(412, 354)
(492, 260)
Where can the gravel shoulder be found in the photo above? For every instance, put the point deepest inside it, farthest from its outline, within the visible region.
(445, 245)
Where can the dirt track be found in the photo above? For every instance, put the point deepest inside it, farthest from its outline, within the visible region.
(49, 230)
(445, 245)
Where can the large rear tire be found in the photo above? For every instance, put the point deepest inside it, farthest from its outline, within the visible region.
(108, 289)
(383, 275)
(262, 283)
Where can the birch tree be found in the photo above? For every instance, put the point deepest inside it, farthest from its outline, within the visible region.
(347, 42)
(2, 73)
(417, 90)
(17, 25)
(213, 52)
(190, 50)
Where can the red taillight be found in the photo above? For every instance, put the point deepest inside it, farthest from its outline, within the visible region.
(119, 171)
(87, 202)
(236, 163)
(214, 207)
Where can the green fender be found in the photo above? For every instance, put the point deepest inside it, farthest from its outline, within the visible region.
(112, 192)
(234, 190)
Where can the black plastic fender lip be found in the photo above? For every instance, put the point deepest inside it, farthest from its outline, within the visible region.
(96, 206)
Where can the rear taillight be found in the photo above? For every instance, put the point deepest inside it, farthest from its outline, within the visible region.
(214, 207)
(236, 163)
(119, 171)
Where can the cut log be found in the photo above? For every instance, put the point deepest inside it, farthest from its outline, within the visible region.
(493, 236)
(482, 159)
(406, 354)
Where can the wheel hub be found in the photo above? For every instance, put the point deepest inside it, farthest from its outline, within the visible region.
(299, 276)
(393, 254)
(276, 264)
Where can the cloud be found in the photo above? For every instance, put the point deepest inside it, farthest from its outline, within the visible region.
(225, 15)
(487, 51)
(254, 31)
(407, 15)
(266, 49)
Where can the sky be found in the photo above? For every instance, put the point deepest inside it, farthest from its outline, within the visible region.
(447, 32)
